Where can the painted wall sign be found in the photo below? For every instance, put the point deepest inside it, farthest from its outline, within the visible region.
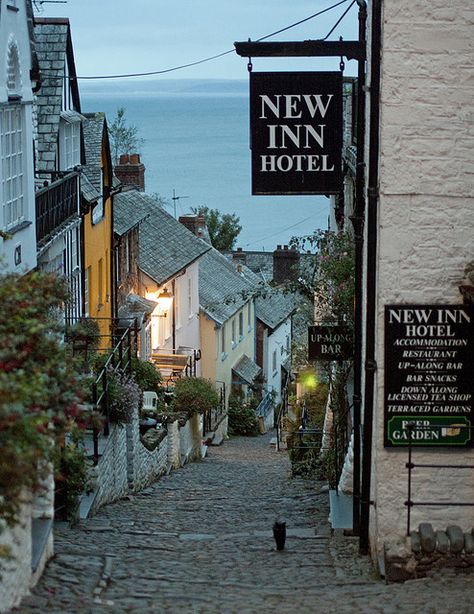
(296, 132)
(330, 343)
(429, 378)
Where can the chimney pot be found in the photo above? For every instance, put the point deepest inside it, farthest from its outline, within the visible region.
(134, 158)
(124, 159)
(278, 247)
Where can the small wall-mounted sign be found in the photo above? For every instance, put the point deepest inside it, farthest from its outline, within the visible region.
(429, 383)
(17, 254)
(330, 343)
(296, 132)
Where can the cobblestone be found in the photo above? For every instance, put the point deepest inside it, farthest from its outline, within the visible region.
(200, 540)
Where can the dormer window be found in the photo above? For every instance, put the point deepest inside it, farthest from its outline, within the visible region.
(13, 72)
(69, 140)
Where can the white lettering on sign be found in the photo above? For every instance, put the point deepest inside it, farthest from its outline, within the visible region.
(292, 105)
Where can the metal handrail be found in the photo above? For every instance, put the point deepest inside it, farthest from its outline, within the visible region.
(410, 465)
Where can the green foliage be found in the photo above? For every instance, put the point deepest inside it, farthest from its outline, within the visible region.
(72, 474)
(147, 375)
(124, 137)
(223, 228)
(40, 389)
(332, 279)
(242, 418)
(194, 394)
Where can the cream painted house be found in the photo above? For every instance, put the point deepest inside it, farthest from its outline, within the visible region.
(168, 271)
(228, 326)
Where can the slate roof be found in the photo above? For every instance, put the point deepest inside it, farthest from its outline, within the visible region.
(166, 247)
(222, 291)
(246, 369)
(93, 130)
(88, 190)
(273, 305)
(52, 45)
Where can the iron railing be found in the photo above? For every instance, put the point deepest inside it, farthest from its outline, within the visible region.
(211, 418)
(410, 465)
(55, 205)
(119, 361)
(282, 411)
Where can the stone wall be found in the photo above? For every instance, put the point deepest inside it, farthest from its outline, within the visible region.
(17, 545)
(190, 437)
(174, 459)
(425, 228)
(144, 466)
(112, 469)
(15, 572)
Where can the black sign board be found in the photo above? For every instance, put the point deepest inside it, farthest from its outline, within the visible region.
(296, 132)
(330, 343)
(429, 379)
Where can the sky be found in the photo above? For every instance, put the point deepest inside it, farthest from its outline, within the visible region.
(125, 36)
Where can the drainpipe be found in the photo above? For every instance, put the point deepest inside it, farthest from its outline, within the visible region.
(358, 223)
(173, 315)
(372, 200)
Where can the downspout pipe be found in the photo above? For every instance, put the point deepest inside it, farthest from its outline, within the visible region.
(371, 292)
(358, 223)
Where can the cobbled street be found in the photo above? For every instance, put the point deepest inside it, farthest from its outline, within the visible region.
(200, 540)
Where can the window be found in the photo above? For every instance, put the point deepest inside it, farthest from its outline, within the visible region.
(87, 279)
(223, 340)
(249, 316)
(177, 304)
(241, 326)
(100, 282)
(70, 145)
(234, 343)
(190, 296)
(288, 343)
(98, 210)
(274, 361)
(11, 148)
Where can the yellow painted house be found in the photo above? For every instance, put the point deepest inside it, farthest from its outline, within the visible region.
(96, 188)
(227, 326)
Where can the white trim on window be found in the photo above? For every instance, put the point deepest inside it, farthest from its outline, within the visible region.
(12, 164)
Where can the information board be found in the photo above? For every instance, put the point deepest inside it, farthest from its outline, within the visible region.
(429, 374)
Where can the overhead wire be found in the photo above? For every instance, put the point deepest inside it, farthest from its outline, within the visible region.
(274, 234)
(218, 55)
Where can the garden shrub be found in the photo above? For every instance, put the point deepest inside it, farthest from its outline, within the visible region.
(194, 394)
(242, 418)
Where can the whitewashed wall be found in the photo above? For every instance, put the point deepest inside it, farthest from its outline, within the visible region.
(426, 223)
(275, 342)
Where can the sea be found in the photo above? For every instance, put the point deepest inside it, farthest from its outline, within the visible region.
(196, 149)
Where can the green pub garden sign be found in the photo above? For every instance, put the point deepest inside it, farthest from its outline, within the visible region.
(429, 375)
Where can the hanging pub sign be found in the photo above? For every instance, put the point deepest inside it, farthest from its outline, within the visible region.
(296, 132)
(429, 381)
(330, 343)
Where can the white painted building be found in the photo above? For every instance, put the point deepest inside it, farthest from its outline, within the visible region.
(425, 230)
(18, 78)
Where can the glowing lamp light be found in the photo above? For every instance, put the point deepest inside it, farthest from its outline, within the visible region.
(164, 299)
(309, 380)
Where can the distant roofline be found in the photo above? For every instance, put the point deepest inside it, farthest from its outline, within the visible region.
(45, 21)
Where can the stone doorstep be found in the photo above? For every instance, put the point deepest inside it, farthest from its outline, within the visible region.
(341, 510)
(85, 506)
(40, 531)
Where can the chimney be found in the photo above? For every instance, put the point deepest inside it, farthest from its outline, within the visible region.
(197, 225)
(130, 171)
(285, 264)
(239, 258)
